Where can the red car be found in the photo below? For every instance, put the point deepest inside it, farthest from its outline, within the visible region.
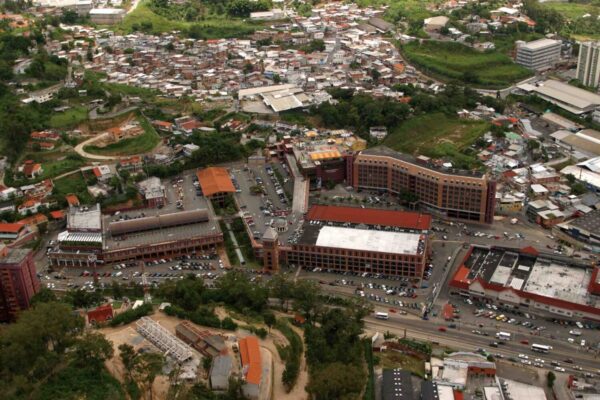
(525, 342)
(442, 329)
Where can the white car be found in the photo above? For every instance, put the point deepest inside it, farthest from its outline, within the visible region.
(559, 369)
(524, 356)
(571, 340)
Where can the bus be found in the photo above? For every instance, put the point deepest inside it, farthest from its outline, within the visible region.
(542, 348)
(382, 315)
(503, 336)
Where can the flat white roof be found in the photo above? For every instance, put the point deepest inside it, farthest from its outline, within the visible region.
(107, 11)
(582, 174)
(78, 219)
(263, 89)
(492, 393)
(541, 43)
(501, 275)
(369, 240)
(445, 392)
(562, 282)
(520, 390)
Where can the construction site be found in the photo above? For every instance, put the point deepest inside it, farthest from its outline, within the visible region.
(233, 355)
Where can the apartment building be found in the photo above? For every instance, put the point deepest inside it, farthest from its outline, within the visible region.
(18, 281)
(538, 54)
(588, 64)
(451, 193)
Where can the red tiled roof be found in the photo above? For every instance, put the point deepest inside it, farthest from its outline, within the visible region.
(165, 124)
(72, 200)
(215, 180)
(370, 216)
(57, 214)
(250, 353)
(458, 395)
(530, 250)
(97, 172)
(11, 228)
(35, 219)
(100, 314)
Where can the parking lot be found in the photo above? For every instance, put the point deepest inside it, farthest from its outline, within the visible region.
(207, 266)
(525, 327)
(263, 201)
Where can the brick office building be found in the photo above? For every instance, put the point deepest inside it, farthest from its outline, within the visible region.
(362, 240)
(457, 194)
(18, 281)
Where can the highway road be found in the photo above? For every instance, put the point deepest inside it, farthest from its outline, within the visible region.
(466, 340)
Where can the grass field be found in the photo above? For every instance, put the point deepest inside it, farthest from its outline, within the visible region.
(69, 118)
(572, 10)
(506, 43)
(135, 145)
(437, 135)
(394, 359)
(453, 61)
(56, 168)
(211, 28)
(73, 184)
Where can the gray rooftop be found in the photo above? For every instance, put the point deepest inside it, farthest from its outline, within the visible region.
(589, 222)
(84, 218)
(397, 385)
(387, 152)
(15, 256)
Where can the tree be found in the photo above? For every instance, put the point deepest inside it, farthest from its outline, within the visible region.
(281, 288)
(248, 68)
(92, 348)
(43, 296)
(37, 338)
(269, 319)
(306, 299)
(206, 364)
(550, 378)
(146, 367)
(533, 144)
(127, 355)
(375, 74)
(117, 291)
(337, 381)
(578, 188)
(497, 131)
(470, 77)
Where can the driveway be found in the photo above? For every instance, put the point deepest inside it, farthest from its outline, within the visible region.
(79, 149)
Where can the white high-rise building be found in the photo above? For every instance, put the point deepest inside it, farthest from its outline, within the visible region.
(539, 54)
(588, 65)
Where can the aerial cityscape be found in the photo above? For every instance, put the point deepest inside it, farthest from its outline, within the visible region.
(300, 199)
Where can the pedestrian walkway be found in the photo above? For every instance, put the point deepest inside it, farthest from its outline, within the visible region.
(301, 186)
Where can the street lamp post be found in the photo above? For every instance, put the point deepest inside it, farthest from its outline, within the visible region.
(92, 259)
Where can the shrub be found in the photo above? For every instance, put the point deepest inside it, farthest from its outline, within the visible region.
(131, 315)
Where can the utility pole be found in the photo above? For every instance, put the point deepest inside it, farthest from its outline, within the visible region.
(147, 297)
